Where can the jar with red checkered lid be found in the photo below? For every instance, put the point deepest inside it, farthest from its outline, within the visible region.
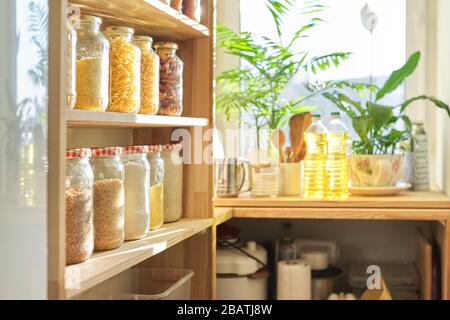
(137, 192)
(79, 206)
(109, 198)
(173, 182)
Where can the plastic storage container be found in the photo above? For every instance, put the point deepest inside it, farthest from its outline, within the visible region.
(92, 71)
(109, 198)
(149, 75)
(171, 79)
(148, 284)
(173, 182)
(125, 71)
(71, 64)
(137, 192)
(156, 187)
(79, 206)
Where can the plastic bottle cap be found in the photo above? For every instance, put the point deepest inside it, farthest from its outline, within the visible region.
(251, 246)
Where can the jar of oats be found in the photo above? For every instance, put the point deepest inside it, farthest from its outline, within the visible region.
(92, 64)
(156, 187)
(109, 198)
(124, 71)
(79, 206)
(171, 79)
(149, 75)
(173, 182)
(137, 192)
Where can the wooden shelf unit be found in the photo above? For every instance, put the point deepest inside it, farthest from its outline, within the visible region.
(150, 17)
(104, 265)
(192, 237)
(90, 119)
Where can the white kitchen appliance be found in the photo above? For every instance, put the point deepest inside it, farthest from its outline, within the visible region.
(239, 274)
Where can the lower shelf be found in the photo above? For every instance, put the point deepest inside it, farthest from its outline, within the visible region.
(104, 265)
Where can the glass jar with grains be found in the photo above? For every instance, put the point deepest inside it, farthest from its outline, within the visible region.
(109, 198)
(156, 187)
(171, 79)
(173, 182)
(71, 64)
(124, 71)
(137, 192)
(79, 206)
(149, 75)
(92, 67)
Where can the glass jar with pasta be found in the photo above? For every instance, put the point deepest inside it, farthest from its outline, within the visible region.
(124, 71)
(149, 75)
(171, 80)
(92, 66)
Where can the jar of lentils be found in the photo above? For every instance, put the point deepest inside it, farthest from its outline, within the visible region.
(156, 187)
(171, 79)
(124, 71)
(109, 198)
(79, 206)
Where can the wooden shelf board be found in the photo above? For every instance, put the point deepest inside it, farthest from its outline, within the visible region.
(147, 17)
(104, 265)
(407, 200)
(222, 215)
(92, 119)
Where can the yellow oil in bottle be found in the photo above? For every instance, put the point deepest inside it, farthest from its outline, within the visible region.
(314, 178)
(337, 160)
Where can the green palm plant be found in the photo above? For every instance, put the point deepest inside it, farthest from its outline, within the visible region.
(269, 65)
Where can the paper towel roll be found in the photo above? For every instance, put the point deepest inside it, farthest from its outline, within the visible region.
(294, 280)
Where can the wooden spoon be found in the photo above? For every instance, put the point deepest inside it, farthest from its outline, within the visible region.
(279, 139)
(298, 125)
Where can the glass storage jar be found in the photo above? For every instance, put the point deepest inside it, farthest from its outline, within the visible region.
(149, 75)
(156, 187)
(173, 182)
(192, 9)
(137, 192)
(79, 206)
(176, 4)
(71, 64)
(171, 79)
(92, 66)
(109, 198)
(124, 71)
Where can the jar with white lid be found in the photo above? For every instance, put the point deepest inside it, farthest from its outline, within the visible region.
(109, 198)
(137, 192)
(156, 187)
(173, 182)
(79, 206)
(124, 71)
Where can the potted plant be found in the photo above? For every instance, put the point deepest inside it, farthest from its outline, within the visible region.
(376, 160)
(256, 87)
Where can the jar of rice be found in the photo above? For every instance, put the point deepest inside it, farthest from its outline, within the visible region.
(109, 198)
(173, 182)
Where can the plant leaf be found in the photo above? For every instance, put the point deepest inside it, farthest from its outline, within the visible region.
(399, 76)
(379, 114)
(440, 104)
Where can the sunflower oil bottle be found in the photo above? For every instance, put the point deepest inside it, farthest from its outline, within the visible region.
(337, 160)
(314, 165)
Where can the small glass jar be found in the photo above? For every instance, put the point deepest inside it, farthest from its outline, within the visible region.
(71, 65)
(149, 75)
(173, 182)
(109, 198)
(137, 192)
(176, 4)
(92, 66)
(156, 187)
(192, 9)
(79, 206)
(171, 80)
(125, 71)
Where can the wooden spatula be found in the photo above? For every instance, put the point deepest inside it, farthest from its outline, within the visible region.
(279, 139)
(298, 125)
